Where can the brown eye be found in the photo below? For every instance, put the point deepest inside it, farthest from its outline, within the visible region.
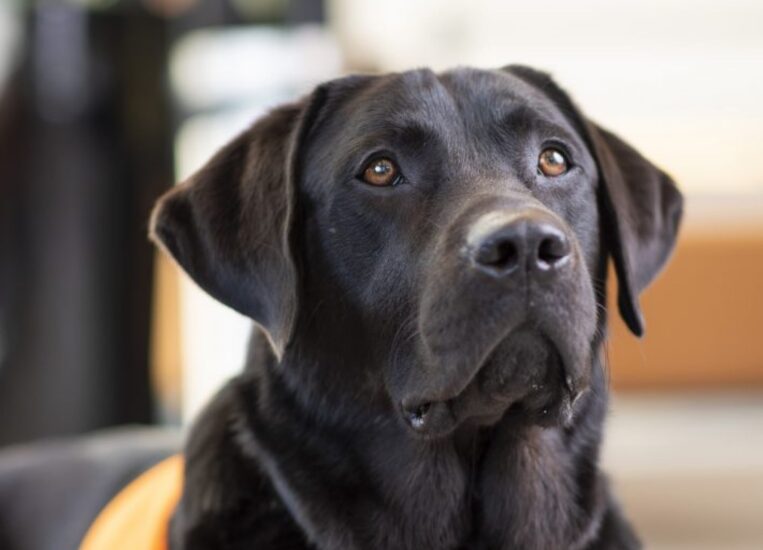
(552, 162)
(381, 172)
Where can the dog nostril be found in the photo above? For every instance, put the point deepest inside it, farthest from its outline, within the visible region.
(502, 254)
(552, 251)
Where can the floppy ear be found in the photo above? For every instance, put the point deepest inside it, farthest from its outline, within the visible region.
(642, 210)
(641, 207)
(228, 225)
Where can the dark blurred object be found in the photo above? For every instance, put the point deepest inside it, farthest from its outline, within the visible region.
(86, 138)
(86, 130)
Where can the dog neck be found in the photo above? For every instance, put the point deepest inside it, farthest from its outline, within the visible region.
(352, 476)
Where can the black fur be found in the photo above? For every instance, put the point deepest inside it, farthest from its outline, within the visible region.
(386, 311)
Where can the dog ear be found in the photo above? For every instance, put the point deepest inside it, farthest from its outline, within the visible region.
(640, 204)
(228, 225)
(642, 210)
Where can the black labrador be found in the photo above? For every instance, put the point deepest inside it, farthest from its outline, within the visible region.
(425, 256)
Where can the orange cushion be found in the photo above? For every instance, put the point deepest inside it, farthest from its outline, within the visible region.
(138, 517)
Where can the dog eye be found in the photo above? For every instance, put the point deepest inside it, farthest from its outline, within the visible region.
(381, 172)
(552, 162)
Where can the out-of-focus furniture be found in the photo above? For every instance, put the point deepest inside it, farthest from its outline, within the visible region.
(704, 314)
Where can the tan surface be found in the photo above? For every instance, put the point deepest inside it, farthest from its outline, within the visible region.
(704, 318)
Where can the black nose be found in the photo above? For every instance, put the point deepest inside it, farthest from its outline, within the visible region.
(534, 241)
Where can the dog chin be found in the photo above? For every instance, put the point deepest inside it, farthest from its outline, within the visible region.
(525, 374)
(524, 378)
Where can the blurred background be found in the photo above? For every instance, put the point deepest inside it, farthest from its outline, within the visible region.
(105, 103)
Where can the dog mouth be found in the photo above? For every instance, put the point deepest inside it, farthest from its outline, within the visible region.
(523, 376)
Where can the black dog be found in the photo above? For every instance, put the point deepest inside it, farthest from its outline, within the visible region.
(425, 256)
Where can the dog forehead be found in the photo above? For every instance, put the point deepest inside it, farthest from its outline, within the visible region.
(489, 96)
(403, 100)
(453, 106)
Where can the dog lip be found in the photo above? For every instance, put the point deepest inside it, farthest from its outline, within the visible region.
(410, 404)
(436, 414)
(416, 416)
(429, 419)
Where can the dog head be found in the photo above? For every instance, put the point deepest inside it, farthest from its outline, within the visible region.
(434, 243)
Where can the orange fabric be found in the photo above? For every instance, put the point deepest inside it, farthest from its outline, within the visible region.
(137, 518)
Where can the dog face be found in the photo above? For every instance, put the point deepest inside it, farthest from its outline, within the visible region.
(461, 211)
(435, 244)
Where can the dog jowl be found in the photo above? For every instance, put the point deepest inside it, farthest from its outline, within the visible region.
(425, 258)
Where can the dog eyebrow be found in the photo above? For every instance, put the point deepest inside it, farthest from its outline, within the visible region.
(551, 128)
(408, 134)
(413, 133)
(523, 119)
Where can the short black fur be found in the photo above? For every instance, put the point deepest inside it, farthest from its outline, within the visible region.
(399, 394)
